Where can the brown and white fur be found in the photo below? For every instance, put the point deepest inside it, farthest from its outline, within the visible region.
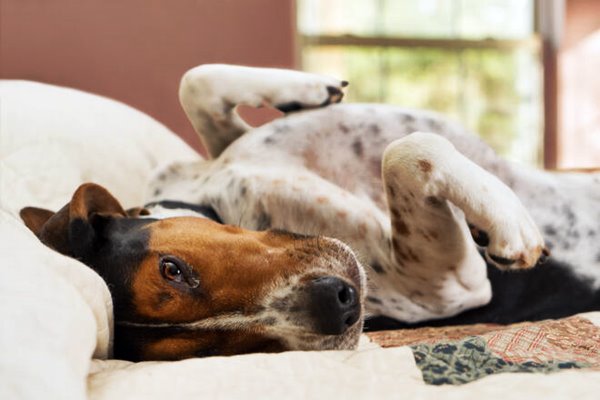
(416, 197)
(190, 287)
(408, 190)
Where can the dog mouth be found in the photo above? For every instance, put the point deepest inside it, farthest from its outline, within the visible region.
(323, 308)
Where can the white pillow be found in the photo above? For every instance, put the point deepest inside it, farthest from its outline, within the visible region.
(54, 138)
(56, 313)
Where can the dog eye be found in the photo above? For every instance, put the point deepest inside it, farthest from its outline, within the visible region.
(178, 272)
(170, 270)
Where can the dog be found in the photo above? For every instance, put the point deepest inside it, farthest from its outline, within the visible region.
(446, 230)
(432, 212)
(189, 287)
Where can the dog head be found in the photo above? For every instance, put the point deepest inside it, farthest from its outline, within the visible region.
(188, 287)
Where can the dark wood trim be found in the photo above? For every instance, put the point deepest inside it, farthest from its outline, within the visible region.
(550, 96)
(452, 44)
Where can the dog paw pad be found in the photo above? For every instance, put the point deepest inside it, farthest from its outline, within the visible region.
(305, 91)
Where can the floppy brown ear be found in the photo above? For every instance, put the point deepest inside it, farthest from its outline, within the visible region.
(90, 199)
(35, 218)
(90, 210)
(77, 225)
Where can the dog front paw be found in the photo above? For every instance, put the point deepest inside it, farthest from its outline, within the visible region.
(303, 90)
(511, 241)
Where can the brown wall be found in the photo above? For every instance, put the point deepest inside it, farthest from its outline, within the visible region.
(136, 50)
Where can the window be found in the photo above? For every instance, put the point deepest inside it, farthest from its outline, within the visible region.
(478, 61)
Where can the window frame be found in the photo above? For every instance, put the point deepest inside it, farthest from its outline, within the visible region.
(543, 41)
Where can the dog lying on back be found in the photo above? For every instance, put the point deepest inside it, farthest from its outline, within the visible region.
(423, 202)
(190, 287)
(424, 213)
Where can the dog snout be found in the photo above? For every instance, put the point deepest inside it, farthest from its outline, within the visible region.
(334, 305)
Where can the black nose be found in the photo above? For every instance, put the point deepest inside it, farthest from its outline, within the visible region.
(334, 305)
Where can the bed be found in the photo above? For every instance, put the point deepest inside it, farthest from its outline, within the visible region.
(56, 313)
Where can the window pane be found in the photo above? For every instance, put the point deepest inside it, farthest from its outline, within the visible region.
(495, 93)
(500, 19)
(458, 19)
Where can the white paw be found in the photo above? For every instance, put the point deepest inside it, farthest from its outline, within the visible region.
(208, 86)
(300, 90)
(510, 236)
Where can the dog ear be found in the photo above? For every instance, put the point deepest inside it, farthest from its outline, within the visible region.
(78, 226)
(90, 210)
(35, 218)
(51, 228)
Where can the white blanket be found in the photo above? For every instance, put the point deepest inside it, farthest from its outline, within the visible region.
(56, 313)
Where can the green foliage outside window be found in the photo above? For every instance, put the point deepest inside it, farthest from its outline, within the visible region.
(495, 92)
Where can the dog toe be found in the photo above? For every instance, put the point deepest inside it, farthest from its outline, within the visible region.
(479, 236)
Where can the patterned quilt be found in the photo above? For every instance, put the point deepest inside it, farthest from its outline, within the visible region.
(458, 355)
